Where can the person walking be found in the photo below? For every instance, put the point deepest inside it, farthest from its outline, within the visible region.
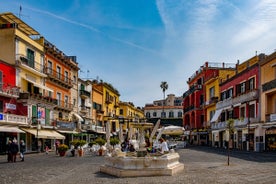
(9, 155)
(22, 150)
(14, 150)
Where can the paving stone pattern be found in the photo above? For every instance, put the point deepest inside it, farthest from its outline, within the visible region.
(202, 165)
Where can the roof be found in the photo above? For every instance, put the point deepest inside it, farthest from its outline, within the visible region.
(9, 18)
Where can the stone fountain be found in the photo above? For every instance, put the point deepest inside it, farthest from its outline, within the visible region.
(141, 163)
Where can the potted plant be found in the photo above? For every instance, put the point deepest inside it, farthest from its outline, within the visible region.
(81, 143)
(62, 148)
(114, 141)
(100, 141)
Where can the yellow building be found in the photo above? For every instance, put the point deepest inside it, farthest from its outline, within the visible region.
(130, 114)
(268, 101)
(110, 105)
(213, 90)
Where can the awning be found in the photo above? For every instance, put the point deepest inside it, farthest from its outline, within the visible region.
(78, 117)
(44, 134)
(68, 131)
(216, 115)
(37, 84)
(10, 129)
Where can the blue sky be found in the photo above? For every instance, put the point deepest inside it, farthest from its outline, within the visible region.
(136, 44)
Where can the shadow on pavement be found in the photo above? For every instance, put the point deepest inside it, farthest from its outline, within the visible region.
(245, 155)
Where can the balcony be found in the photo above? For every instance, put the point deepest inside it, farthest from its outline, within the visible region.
(84, 109)
(192, 89)
(58, 78)
(108, 100)
(269, 85)
(30, 65)
(13, 119)
(37, 97)
(212, 100)
(187, 109)
(84, 94)
(64, 106)
(246, 97)
(9, 91)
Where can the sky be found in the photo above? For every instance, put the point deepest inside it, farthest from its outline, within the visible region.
(136, 44)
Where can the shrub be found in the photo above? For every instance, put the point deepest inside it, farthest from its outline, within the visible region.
(114, 141)
(63, 148)
(100, 141)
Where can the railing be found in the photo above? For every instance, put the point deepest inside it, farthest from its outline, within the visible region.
(84, 109)
(239, 99)
(8, 90)
(36, 96)
(64, 105)
(14, 119)
(52, 74)
(189, 108)
(243, 122)
(23, 60)
(84, 93)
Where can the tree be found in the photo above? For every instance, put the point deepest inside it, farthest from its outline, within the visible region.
(230, 128)
(164, 86)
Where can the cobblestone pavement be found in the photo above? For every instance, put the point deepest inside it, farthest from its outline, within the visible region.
(202, 165)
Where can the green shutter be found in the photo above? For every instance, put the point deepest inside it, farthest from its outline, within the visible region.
(47, 117)
(34, 114)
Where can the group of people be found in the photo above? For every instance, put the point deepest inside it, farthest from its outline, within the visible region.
(162, 148)
(13, 149)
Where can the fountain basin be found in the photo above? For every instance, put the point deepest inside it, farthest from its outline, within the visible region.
(167, 164)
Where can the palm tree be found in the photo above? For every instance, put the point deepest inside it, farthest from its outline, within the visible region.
(164, 86)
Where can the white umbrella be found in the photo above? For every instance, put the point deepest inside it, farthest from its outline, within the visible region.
(172, 130)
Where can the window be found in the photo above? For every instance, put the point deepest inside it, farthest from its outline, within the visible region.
(242, 112)
(230, 92)
(252, 111)
(58, 72)
(243, 87)
(252, 83)
(211, 114)
(30, 56)
(75, 79)
(154, 114)
(74, 102)
(50, 67)
(58, 98)
(212, 92)
(121, 111)
(148, 115)
(66, 76)
(66, 100)
(171, 114)
(163, 114)
(179, 114)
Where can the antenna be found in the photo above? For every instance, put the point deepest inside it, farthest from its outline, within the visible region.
(20, 10)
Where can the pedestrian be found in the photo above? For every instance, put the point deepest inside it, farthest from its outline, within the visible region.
(39, 144)
(9, 155)
(14, 150)
(164, 146)
(46, 149)
(22, 149)
(57, 145)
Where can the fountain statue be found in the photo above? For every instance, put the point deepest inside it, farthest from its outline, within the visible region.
(141, 163)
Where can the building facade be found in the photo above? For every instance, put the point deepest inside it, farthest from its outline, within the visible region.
(268, 101)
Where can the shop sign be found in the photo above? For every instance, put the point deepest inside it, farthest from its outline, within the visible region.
(10, 106)
(1, 116)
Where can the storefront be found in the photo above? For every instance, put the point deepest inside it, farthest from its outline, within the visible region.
(9, 133)
(270, 139)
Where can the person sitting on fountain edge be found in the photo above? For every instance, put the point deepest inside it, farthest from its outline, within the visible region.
(164, 146)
